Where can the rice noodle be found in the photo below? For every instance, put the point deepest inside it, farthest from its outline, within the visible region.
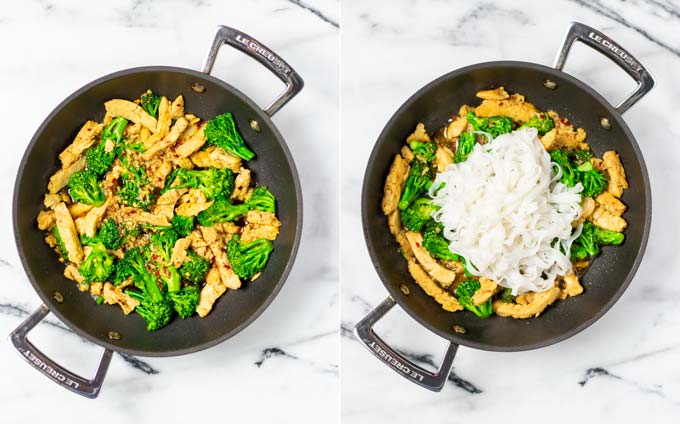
(504, 212)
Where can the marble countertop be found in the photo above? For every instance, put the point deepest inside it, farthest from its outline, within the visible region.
(283, 367)
(625, 367)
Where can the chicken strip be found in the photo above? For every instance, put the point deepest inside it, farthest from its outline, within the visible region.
(83, 141)
(448, 302)
(394, 184)
(168, 140)
(536, 303)
(130, 111)
(444, 276)
(617, 176)
(68, 233)
(211, 291)
(60, 178)
(114, 295)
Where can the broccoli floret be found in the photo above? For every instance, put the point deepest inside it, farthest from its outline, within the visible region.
(222, 132)
(435, 243)
(418, 213)
(183, 225)
(222, 210)
(184, 301)
(262, 200)
(495, 125)
(212, 181)
(149, 102)
(194, 268)
(98, 265)
(248, 258)
(506, 296)
(135, 190)
(579, 156)
(154, 307)
(561, 158)
(465, 291)
(543, 125)
(593, 181)
(97, 158)
(588, 243)
(109, 234)
(84, 187)
(466, 142)
(418, 182)
(425, 150)
(61, 247)
(161, 244)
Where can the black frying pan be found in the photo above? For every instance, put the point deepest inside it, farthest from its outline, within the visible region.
(205, 96)
(609, 274)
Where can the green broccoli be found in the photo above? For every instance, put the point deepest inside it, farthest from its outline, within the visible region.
(135, 189)
(185, 300)
(579, 156)
(435, 243)
(161, 244)
(588, 243)
(495, 125)
(418, 182)
(506, 296)
(222, 210)
(543, 123)
(212, 181)
(183, 225)
(262, 200)
(61, 247)
(97, 158)
(465, 291)
(194, 268)
(98, 265)
(149, 102)
(248, 258)
(466, 142)
(425, 150)
(561, 159)
(418, 213)
(594, 182)
(84, 187)
(222, 132)
(109, 234)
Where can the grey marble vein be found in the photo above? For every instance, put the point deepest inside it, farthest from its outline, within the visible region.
(272, 352)
(316, 12)
(596, 372)
(598, 7)
(455, 379)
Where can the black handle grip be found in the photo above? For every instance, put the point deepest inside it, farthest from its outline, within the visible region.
(57, 373)
(612, 50)
(258, 51)
(390, 357)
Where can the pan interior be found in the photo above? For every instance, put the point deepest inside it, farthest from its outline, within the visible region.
(272, 166)
(609, 274)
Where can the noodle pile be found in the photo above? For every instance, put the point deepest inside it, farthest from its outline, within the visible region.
(504, 212)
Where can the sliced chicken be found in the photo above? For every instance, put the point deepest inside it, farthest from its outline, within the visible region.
(211, 291)
(420, 134)
(85, 138)
(192, 203)
(444, 276)
(46, 220)
(260, 225)
(610, 203)
(514, 107)
(394, 184)
(68, 233)
(88, 224)
(617, 176)
(192, 144)
(486, 291)
(114, 295)
(444, 298)
(605, 219)
(241, 185)
(495, 94)
(443, 158)
(536, 303)
(168, 140)
(60, 178)
(177, 107)
(130, 111)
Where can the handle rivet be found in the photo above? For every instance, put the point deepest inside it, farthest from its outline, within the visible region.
(199, 88)
(57, 297)
(459, 329)
(255, 125)
(605, 123)
(404, 289)
(550, 84)
(114, 335)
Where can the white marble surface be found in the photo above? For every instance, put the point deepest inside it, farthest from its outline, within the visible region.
(625, 367)
(283, 367)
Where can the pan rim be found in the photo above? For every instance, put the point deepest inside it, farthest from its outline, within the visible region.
(396, 294)
(264, 119)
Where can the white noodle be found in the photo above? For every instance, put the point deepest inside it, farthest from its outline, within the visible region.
(504, 212)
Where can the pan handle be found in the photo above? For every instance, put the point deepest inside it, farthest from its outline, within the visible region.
(258, 51)
(617, 54)
(390, 357)
(57, 373)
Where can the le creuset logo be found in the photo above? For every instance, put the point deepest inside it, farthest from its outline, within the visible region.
(252, 45)
(616, 49)
(49, 370)
(396, 364)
